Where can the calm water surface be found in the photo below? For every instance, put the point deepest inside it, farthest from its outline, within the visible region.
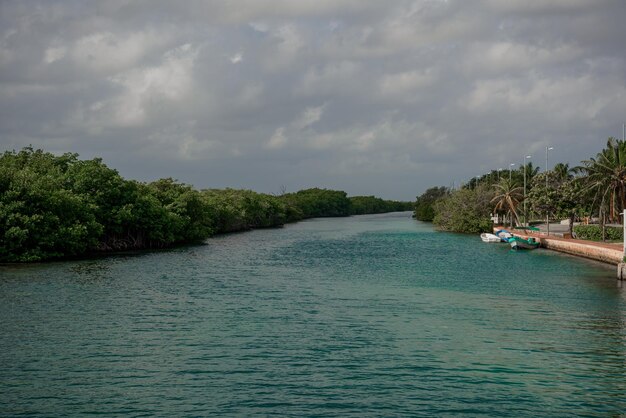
(367, 316)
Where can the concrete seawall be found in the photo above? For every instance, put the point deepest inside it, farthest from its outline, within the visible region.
(607, 253)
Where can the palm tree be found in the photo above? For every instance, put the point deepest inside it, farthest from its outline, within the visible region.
(606, 178)
(508, 197)
(531, 171)
(563, 172)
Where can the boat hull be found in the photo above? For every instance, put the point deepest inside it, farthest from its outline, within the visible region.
(523, 244)
(504, 235)
(489, 238)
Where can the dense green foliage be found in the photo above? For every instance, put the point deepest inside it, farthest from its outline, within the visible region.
(465, 210)
(605, 177)
(508, 196)
(53, 207)
(361, 205)
(515, 176)
(597, 188)
(594, 232)
(314, 203)
(424, 210)
(59, 206)
(39, 216)
(559, 195)
(239, 210)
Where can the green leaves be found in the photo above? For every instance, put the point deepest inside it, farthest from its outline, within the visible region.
(319, 203)
(39, 217)
(54, 207)
(605, 177)
(361, 205)
(58, 206)
(424, 210)
(465, 211)
(594, 232)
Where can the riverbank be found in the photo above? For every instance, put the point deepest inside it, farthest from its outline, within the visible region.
(599, 251)
(60, 207)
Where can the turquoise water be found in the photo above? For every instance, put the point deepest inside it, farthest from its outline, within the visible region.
(373, 315)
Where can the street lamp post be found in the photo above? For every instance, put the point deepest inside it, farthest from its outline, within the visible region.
(510, 165)
(525, 215)
(547, 210)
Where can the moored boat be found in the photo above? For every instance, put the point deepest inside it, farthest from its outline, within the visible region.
(518, 243)
(486, 237)
(504, 235)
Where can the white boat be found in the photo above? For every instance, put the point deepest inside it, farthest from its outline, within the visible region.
(489, 237)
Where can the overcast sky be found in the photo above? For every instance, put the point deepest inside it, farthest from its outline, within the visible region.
(371, 97)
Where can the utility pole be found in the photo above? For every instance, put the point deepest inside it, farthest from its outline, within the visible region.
(525, 215)
(547, 210)
(621, 267)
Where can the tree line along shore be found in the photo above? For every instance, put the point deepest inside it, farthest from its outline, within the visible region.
(592, 194)
(55, 207)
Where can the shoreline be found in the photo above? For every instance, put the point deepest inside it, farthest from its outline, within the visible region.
(137, 252)
(598, 251)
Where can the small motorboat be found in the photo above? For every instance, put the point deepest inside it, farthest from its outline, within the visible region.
(489, 237)
(518, 243)
(504, 235)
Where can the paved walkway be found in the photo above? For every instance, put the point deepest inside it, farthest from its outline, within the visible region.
(609, 245)
(559, 229)
(601, 251)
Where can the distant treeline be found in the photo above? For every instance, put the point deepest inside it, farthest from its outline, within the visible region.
(60, 206)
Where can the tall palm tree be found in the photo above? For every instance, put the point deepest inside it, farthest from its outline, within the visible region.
(563, 171)
(508, 197)
(605, 175)
(531, 171)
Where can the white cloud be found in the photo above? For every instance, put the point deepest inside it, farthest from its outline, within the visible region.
(286, 44)
(278, 139)
(236, 58)
(360, 84)
(169, 81)
(54, 54)
(561, 100)
(106, 52)
(405, 85)
(308, 117)
(332, 78)
(499, 57)
(539, 7)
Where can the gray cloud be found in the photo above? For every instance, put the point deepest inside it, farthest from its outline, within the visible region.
(373, 97)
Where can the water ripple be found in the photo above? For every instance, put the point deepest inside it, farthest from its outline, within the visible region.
(364, 316)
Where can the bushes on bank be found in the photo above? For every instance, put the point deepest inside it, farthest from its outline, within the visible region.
(361, 205)
(316, 203)
(60, 206)
(239, 210)
(594, 232)
(464, 210)
(424, 210)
